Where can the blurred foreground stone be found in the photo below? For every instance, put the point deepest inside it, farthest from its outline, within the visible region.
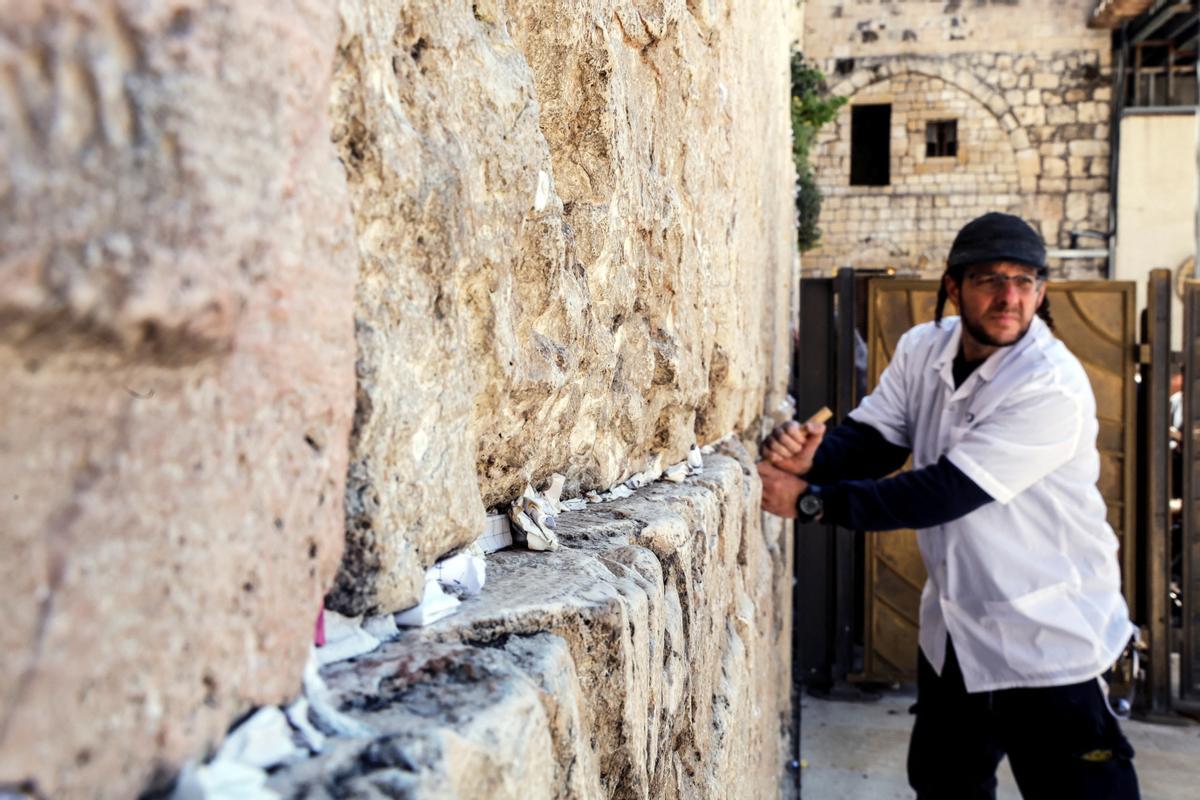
(177, 354)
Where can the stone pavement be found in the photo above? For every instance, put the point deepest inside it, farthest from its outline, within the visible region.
(856, 751)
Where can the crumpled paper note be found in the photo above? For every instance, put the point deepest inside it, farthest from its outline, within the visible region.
(344, 638)
(264, 740)
(533, 514)
(497, 534)
(435, 604)
(221, 780)
(677, 472)
(650, 474)
(462, 574)
(324, 709)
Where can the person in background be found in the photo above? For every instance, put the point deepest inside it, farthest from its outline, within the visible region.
(1022, 610)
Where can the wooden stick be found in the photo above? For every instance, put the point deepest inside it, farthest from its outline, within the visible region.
(823, 415)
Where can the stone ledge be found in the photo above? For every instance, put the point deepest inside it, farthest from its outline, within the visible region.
(646, 658)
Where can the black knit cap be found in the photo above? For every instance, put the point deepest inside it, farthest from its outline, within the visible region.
(997, 237)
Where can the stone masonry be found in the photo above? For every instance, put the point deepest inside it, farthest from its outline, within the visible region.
(643, 660)
(283, 281)
(553, 279)
(1033, 127)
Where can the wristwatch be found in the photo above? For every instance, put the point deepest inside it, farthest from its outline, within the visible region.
(809, 505)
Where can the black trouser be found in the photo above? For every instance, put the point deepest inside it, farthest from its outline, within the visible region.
(1062, 743)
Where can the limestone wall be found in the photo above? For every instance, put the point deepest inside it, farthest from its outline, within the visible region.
(1033, 128)
(575, 234)
(647, 659)
(282, 280)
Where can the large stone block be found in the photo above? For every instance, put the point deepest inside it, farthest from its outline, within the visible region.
(648, 658)
(576, 233)
(176, 346)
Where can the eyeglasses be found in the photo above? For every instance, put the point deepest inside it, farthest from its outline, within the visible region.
(997, 282)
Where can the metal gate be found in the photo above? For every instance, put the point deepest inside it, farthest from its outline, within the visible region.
(1190, 430)
(1096, 321)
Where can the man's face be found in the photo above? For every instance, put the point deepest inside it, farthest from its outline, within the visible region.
(997, 302)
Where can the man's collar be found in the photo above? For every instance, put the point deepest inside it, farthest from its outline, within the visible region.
(944, 363)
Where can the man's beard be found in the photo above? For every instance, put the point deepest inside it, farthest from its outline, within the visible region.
(980, 335)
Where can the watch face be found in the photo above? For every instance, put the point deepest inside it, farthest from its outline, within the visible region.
(810, 504)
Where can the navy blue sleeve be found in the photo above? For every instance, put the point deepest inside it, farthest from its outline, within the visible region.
(920, 498)
(852, 451)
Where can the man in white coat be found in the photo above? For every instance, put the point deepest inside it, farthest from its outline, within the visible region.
(1022, 610)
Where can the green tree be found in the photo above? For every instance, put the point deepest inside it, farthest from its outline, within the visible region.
(812, 107)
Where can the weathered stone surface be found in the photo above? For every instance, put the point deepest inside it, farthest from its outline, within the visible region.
(647, 658)
(176, 346)
(1003, 27)
(1006, 110)
(576, 240)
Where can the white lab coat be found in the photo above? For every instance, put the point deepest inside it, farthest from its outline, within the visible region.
(1028, 587)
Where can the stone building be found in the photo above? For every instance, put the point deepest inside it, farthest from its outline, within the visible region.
(955, 109)
(292, 293)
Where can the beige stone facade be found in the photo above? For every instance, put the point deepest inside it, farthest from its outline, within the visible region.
(1156, 203)
(1028, 87)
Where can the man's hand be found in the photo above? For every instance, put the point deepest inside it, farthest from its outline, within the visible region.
(780, 490)
(791, 446)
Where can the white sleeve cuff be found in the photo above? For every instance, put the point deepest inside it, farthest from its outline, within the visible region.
(893, 436)
(983, 479)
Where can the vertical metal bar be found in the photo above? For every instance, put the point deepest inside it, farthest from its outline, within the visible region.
(1137, 75)
(1131, 458)
(844, 555)
(1170, 75)
(1114, 152)
(814, 590)
(1156, 377)
(812, 550)
(1190, 657)
(1189, 684)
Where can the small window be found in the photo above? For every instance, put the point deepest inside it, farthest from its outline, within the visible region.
(870, 145)
(941, 138)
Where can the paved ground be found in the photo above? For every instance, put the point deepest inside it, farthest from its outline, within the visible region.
(856, 751)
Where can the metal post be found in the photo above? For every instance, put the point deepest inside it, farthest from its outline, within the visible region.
(1189, 678)
(1170, 74)
(844, 619)
(1117, 104)
(1156, 378)
(1137, 75)
(814, 590)
(812, 552)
